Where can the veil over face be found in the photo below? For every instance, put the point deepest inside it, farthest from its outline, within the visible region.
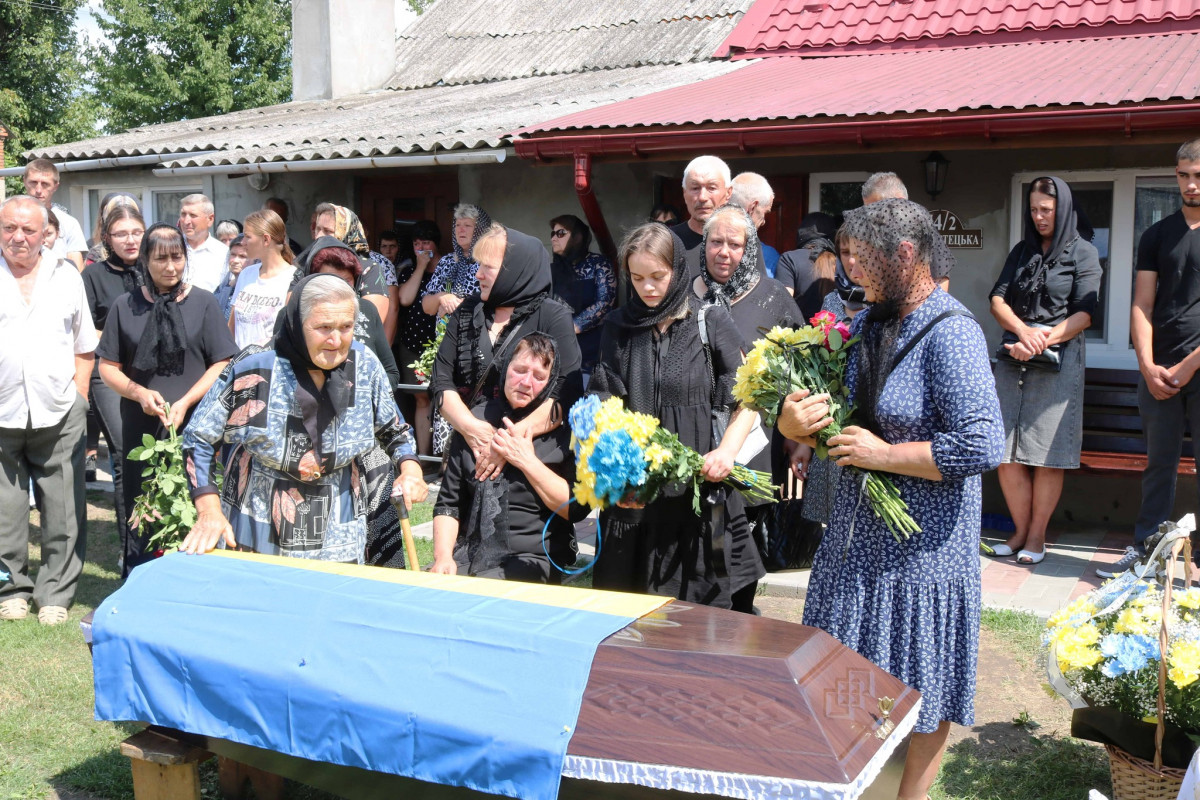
(892, 241)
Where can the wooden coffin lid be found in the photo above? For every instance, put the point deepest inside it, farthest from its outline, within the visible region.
(708, 689)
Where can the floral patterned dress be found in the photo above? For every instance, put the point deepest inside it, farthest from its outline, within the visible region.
(270, 495)
(913, 607)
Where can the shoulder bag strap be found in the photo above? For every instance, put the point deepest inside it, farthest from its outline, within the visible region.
(921, 334)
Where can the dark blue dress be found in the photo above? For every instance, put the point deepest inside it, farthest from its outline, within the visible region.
(913, 607)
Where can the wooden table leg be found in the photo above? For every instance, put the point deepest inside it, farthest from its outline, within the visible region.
(163, 768)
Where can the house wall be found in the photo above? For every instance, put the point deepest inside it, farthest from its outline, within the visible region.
(233, 198)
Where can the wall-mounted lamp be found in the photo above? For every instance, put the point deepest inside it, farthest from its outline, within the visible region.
(936, 167)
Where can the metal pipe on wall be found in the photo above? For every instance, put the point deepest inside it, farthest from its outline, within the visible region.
(591, 206)
(115, 162)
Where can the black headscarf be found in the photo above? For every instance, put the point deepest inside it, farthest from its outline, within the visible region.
(636, 314)
(318, 407)
(745, 275)
(524, 273)
(524, 284)
(164, 340)
(1026, 290)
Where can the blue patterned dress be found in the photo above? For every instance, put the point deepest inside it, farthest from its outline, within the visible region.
(268, 496)
(913, 607)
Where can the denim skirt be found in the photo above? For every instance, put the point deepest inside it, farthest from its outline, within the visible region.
(1043, 410)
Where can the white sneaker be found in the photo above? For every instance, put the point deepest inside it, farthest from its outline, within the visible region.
(1129, 561)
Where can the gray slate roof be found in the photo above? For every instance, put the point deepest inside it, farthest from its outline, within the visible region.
(472, 41)
(459, 85)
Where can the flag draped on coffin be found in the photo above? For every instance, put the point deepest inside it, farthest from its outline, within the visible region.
(460, 681)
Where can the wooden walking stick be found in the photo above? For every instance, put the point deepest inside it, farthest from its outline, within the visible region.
(410, 546)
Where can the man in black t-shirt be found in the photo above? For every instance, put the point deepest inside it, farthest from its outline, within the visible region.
(1165, 327)
(707, 185)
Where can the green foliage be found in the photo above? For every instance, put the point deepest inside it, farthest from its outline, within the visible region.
(168, 60)
(165, 504)
(419, 6)
(41, 70)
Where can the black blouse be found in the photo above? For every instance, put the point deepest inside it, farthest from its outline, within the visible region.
(103, 284)
(522, 514)
(1072, 282)
(681, 383)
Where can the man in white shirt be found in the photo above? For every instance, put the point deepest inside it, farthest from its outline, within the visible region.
(205, 254)
(41, 182)
(46, 344)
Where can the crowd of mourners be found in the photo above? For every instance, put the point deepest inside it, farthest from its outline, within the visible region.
(289, 374)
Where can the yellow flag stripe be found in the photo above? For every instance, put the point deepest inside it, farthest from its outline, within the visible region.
(621, 604)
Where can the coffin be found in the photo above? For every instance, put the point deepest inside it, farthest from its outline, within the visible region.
(694, 701)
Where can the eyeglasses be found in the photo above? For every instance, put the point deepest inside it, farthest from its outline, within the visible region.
(122, 235)
(558, 233)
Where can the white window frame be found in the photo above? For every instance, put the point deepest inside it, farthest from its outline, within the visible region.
(79, 197)
(815, 179)
(1116, 352)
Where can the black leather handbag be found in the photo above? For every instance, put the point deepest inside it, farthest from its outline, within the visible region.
(1049, 359)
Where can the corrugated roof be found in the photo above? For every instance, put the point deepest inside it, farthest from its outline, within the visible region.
(775, 26)
(388, 122)
(1094, 72)
(467, 73)
(473, 41)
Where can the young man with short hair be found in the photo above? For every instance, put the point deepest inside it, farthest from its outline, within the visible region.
(1165, 327)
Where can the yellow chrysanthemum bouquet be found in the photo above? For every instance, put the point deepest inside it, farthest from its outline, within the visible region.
(1105, 655)
(623, 456)
(814, 357)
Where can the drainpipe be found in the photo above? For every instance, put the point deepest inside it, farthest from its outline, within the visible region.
(591, 206)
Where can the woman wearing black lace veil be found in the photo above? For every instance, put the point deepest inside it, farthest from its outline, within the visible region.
(1044, 300)
(654, 356)
(922, 386)
(514, 299)
(497, 523)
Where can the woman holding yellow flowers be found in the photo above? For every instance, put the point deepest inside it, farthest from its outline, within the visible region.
(927, 415)
(663, 357)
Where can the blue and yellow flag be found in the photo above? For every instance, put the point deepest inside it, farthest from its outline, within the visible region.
(460, 681)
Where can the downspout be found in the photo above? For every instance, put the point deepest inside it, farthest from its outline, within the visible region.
(591, 206)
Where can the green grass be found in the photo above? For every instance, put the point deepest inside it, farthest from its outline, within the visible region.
(1046, 768)
(48, 738)
(1023, 632)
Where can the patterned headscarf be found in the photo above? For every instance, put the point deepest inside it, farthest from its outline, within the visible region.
(349, 228)
(745, 275)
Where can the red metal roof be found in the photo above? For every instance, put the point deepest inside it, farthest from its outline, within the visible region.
(1089, 72)
(782, 26)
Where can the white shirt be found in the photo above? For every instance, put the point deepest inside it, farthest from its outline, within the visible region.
(70, 233)
(256, 303)
(39, 342)
(206, 264)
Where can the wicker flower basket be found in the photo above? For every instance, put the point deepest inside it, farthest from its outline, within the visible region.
(1135, 778)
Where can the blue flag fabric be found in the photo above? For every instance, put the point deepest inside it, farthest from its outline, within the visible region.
(443, 686)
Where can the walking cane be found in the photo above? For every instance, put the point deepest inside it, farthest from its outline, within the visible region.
(410, 547)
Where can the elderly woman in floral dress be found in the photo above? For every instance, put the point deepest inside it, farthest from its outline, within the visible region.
(298, 419)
